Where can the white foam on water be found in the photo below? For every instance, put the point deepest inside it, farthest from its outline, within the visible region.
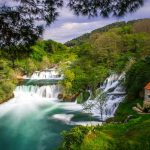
(73, 106)
(51, 74)
(66, 118)
(29, 98)
(63, 117)
(49, 91)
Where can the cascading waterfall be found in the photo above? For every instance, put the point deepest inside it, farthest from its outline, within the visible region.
(49, 91)
(115, 94)
(50, 74)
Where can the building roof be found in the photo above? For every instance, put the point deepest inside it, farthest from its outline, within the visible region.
(147, 87)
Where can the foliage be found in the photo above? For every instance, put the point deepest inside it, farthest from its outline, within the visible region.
(85, 66)
(114, 47)
(7, 80)
(18, 21)
(74, 136)
(142, 26)
(126, 26)
(132, 135)
(83, 97)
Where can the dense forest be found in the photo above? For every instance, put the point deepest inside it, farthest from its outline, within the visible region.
(86, 62)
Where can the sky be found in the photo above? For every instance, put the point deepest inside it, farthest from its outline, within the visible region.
(68, 26)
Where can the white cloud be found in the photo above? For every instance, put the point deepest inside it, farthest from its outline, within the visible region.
(70, 30)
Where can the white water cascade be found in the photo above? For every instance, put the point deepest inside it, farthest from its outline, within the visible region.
(115, 94)
(49, 74)
(49, 91)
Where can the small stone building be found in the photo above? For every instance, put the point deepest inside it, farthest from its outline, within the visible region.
(147, 92)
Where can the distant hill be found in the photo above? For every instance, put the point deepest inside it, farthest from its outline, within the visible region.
(81, 39)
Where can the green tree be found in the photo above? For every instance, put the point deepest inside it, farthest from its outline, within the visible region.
(106, 48)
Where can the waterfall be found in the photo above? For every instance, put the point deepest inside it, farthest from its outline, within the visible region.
(115, 93)
(49, 91)
(50, 74)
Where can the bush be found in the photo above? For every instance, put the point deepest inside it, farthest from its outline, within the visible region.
(74, 137)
